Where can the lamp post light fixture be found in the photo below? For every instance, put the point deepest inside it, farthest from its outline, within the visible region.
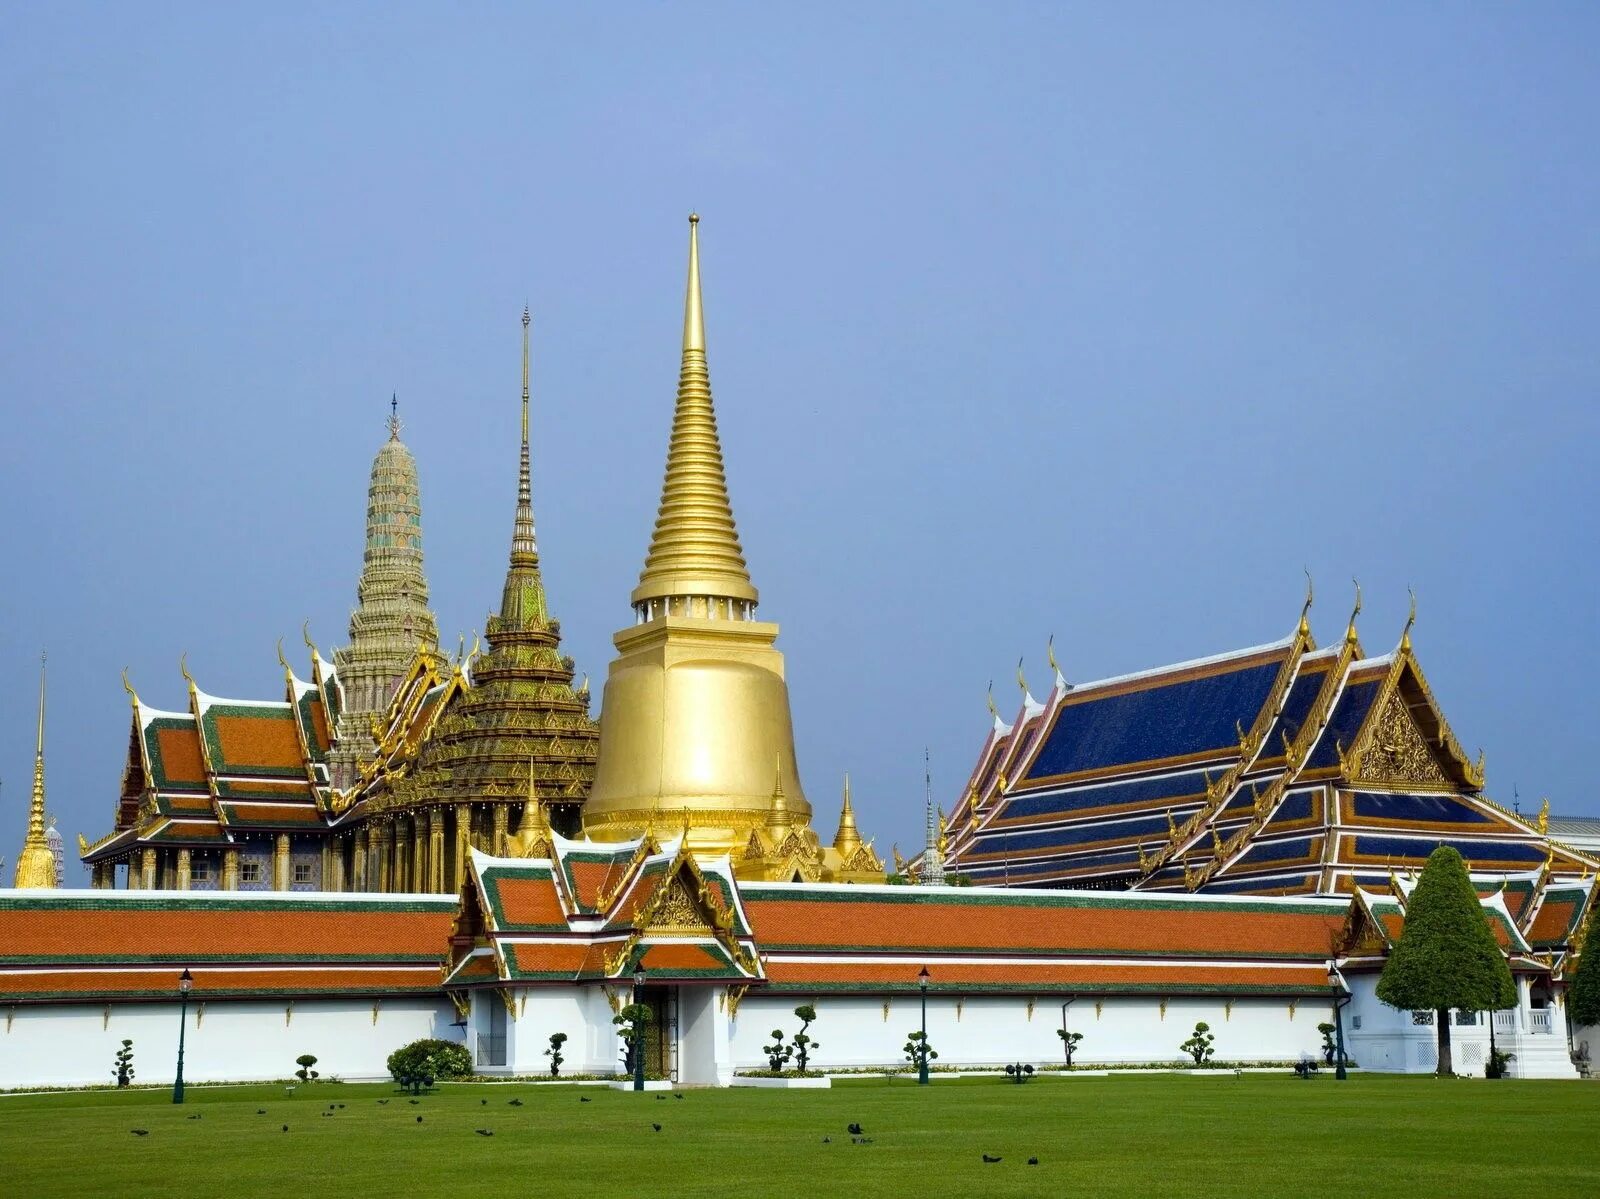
(185, 983)
(638, 1030)
(1341, 998)
(922, 1057)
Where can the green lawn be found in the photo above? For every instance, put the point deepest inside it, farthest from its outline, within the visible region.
(1262, 1136)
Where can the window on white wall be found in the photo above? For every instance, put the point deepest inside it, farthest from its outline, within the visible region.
(1424, 1018)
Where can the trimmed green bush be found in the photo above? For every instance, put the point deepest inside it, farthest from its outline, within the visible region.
(430, 1059)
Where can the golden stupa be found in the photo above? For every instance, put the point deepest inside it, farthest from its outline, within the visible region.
(36, 865)
(695, 733)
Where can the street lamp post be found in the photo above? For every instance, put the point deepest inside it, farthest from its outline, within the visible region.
(638, 1031)
(1341, 997)
(922, 1057)
(185, 982)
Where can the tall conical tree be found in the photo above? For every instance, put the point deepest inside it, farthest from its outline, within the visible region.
(1583, 993)
(1447, 956)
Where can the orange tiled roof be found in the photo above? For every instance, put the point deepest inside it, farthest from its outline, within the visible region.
(783, 974)
(127, 927)
(39, 985)
(1042, 922)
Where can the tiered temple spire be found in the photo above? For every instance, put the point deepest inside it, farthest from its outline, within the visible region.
(36, 866)
(392, 620)
(518, 742)
(695, 564)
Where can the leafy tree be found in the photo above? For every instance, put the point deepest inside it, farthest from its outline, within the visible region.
(557, 1040)
(919, 1050)
(1069, 1042)
(305, 1073)
(778, 1053)
(1583, 995)
(803, 1044)
(630, 1022)
(1198, 1046)
(122, 1064)
(1447, 956)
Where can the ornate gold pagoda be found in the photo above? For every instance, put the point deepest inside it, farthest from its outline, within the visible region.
(513, 746)
(36, 866)
(696, 734)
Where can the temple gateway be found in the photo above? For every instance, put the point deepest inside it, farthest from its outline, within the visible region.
(407, 841)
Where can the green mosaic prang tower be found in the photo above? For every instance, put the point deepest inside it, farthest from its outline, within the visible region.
(392, 619)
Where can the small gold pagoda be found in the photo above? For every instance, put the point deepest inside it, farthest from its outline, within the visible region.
(696, 737)
(36, 866)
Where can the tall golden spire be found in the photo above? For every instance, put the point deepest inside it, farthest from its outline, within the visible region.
(695, 552)
(523, 598)
(848, 839)
(36, 866)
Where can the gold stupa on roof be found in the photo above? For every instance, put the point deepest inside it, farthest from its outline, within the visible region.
(696, 709)
(36, 865)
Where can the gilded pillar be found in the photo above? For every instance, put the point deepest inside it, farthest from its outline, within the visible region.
(230, 870)
(147, 870)
(133, 872)
(419, 852)
(435, 850)
(358, 861)
(386, 857)
(458, 867)
(280, 863)
(184, 869)
(335, 877)
(329, 852)
(498, 845)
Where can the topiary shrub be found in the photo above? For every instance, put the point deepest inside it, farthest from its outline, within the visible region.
(122, 1064)
(557, 1040)
(1329, 1049)
(1198, 1046)
(429, 1059)
(305, 1073)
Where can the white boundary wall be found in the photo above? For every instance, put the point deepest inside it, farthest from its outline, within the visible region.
(227, 1040)
(975, 1030)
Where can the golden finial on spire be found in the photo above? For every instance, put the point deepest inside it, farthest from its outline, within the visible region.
(394, 416)
(1411, 619)
(36, 865)
(305, 635)
(778, 821)
(993, 711)
(1350, 629)
(183, 669)
(1543, 822)
(282, 661)
(1305, 609)
(133, 696)
(1022, 682)
(848, 839)
(694, 551)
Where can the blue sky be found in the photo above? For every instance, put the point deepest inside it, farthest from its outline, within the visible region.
(1101, 321)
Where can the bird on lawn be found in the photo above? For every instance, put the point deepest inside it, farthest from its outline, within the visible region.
(285, 1128)
(419, 1119)
(413, 1101)
(1033, 1161)
(663, 1098)
(484, 1132)
(483, 1103)
(827, 1140)
(990, 1160)
(853, 1129)
(677, 1094)
(140, 1132)
(516, 1103)
(583, 1099)
(196, 1116)
(327, 1115)
(657, 1127)
(261, 1111)
(381, 1102)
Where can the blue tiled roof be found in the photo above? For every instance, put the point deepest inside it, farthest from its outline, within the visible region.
(1067, 836)
(1046, 803)
(1473, 851)
(1249, 886)
(1302, 694)
(1344, 722)
(1292, 848)
(1295, 806)
(1112, 860)
(1419, 809)
(1159, 722)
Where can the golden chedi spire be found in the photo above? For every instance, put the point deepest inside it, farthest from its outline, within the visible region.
(695, 557)
(847, 840)
(696, 709)
(36, 867)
